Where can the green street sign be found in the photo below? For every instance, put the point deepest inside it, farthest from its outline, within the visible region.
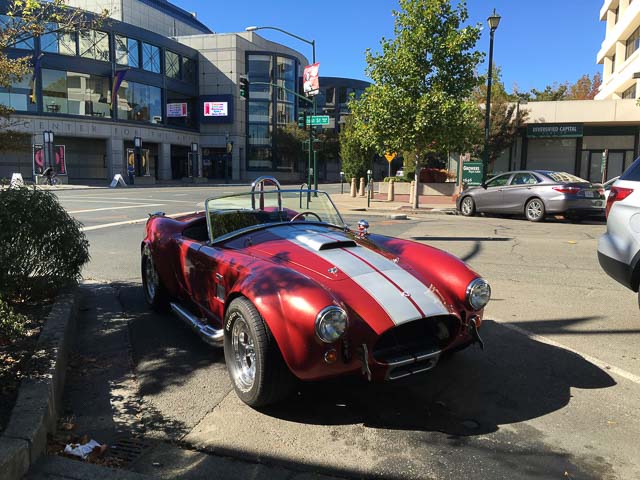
(557, 130)
(472, 173)
(318, 120)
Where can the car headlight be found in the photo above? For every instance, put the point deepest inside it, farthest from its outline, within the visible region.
(478, 294)
(331, 324)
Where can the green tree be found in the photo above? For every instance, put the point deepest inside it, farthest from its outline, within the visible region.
(27, 19)
(356, 157)
(423, 83)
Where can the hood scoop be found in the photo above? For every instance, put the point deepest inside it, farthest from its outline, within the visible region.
(324, 241)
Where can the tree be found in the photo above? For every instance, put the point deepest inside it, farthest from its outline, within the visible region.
(585, 88)
(423, 83)
(27, 19)
(356, 157)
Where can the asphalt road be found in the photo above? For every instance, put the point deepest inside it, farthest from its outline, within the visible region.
(553, 395)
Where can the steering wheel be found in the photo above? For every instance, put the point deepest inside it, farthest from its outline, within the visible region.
(302, 214)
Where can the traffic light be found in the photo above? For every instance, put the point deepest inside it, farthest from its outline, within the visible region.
(244, 88)
(302, 120)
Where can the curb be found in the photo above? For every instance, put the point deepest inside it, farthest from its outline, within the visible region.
(39, 398)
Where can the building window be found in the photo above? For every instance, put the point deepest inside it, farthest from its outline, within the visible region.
(172, 64)
(150, 58)
(629, 92)
(139, 102)
(18, 96)
(175, 115)
(59, 42)
(127, 51)
(94, 44)
(633, 42)
(188, 70)
(13, 23)
(75, 93)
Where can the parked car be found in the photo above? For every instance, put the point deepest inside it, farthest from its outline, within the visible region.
(534, 194)
(619, 247)
(606, 186)
(276, 278)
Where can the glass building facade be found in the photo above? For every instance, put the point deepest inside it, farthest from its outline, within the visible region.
(270, 109)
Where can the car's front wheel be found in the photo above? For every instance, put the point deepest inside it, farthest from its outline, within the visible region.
(154, 291)
(534, 210)
(468, 207)
(257, 370)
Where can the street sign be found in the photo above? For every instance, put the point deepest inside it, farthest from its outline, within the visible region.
(318, 120)
(390, 156)
(472, 173)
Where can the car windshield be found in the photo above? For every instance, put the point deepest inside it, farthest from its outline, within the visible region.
(232, 214)
(564, 177)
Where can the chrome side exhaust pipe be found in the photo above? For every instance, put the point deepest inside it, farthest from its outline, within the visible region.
(210, 335)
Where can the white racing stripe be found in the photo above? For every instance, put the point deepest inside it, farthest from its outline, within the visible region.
(399, 293)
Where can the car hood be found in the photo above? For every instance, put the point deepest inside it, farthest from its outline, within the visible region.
(369, 281)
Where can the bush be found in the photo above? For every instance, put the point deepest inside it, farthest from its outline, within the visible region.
(12, 325)
(42, 248)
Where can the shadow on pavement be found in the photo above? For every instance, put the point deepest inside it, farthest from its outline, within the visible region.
(472, 393)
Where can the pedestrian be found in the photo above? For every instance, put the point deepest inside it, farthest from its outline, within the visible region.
(131, 172)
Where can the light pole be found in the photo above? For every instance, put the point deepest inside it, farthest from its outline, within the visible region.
(194, 159)
(313, 60)
(137, 144)
(494, 21)
(47, 137)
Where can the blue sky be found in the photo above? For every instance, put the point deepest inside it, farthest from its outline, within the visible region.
(538, 42)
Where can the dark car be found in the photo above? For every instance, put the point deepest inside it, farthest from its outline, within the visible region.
(535, 193)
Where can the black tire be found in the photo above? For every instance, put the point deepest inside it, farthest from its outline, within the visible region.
(468, 207)
(254, 362)
(534, 210)
(155, 293)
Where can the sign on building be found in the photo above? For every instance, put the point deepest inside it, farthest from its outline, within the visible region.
(472, 173)
(175, 110)
(555, 130)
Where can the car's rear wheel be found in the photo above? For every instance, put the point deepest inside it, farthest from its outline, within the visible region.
(154, 291)
(534, 210)
(257, 370)
(468, 207)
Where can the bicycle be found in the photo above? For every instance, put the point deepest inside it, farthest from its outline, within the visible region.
(51, 177)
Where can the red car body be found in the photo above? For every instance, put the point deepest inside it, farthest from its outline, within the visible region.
(406, 303)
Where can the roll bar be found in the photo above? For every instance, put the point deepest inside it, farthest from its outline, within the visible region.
(260, 182)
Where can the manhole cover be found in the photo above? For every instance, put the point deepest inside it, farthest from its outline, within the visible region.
(128, 449)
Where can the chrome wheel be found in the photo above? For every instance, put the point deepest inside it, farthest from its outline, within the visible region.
(151, 277)
(467, 206)
(243, 354)
(535, 210)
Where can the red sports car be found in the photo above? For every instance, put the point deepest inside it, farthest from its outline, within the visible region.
(276, 278)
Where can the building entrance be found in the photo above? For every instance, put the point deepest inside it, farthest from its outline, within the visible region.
(216, 163)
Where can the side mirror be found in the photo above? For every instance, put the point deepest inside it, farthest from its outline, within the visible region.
(484, 185)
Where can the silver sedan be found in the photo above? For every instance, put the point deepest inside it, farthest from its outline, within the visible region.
(534, 193)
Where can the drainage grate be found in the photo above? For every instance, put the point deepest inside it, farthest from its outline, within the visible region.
(127, 450)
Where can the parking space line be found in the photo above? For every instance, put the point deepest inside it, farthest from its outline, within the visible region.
(596, 361)
(140, 205)
(79, 198)
(129, 222)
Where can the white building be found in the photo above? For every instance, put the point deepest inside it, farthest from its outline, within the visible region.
(620, 51)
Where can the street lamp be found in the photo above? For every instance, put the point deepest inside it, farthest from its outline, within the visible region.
(47, 137)
(194, 159)
(137, 143)
(253, 28)
(494, 21)
(369, 187)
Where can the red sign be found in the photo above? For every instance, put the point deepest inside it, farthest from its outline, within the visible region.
(311, 83)
(59, 160)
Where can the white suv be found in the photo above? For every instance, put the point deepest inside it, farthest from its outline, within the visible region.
(619, 247)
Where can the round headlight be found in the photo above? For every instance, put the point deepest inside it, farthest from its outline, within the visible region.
(478, 294)
(331, 324)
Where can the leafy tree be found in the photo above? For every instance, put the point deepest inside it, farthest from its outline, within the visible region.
(28, 19)
(423, 80)
(585, 88)
(356, 157)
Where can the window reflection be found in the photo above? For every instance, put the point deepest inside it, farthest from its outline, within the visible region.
(188, 70)
(75, 93)
(59, 42)
(139, 102)
(176, 115)
(13, 23)
(150, 58)
(94, 44)
(172, 64)
(127, 51)
(18, 96)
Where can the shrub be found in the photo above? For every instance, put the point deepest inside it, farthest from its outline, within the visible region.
(42, 248)
(12, 325)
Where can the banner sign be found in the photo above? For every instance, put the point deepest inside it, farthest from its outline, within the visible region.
(216, 109)
(59, 160)
(176, 110)
(555, 130)
(472, 173)
(311, 85)
(143, 169)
